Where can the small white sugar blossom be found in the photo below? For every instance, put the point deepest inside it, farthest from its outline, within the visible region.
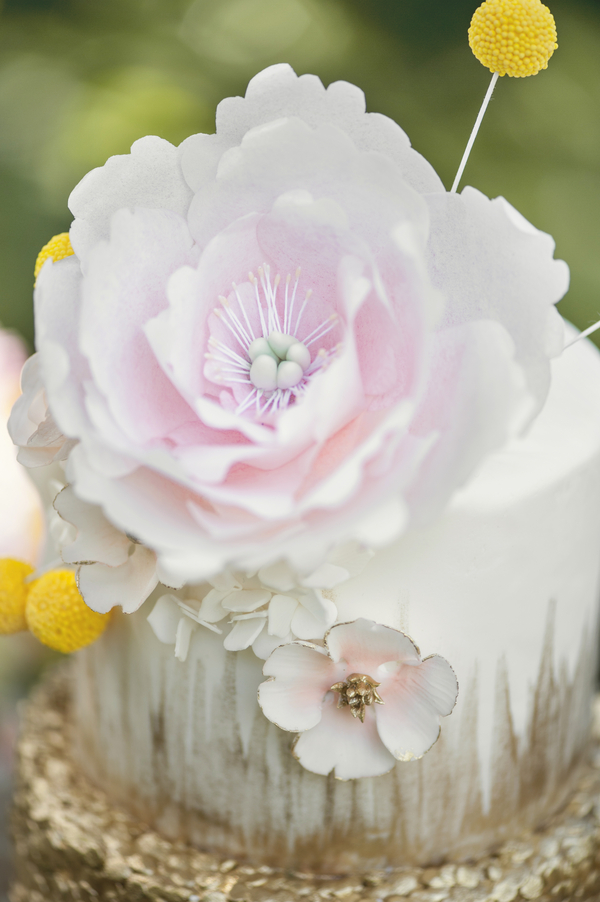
(112, 568)
(362, 703)
(264, 610)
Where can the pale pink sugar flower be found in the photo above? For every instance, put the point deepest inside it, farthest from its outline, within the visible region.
(362, 703)
(283, 337)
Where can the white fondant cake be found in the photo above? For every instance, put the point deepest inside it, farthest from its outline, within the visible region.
(504, 585)
(368, 633)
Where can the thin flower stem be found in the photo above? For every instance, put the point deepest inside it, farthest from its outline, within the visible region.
(474, 133)
(589, 331)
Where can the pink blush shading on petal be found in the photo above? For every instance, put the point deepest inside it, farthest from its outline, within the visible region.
(342, 743)
(303, 675)
(366, 645)
(124, 286)
(415, 697)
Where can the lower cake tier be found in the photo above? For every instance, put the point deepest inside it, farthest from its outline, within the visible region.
(71, 844)
(504, 585)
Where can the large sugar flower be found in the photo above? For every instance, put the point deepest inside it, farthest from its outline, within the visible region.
(283, 336)
(362, 703)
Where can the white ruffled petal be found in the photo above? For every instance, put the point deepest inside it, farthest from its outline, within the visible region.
(97, 540)
(281, 612)
(211, 608)
(164, 619)
(278, 576)
(313, 617)
(246, 600)
(129, 585)
(244, 633)
(264, 644)
(341, 743)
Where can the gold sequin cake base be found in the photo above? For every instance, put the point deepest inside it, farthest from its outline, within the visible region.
(71, 844)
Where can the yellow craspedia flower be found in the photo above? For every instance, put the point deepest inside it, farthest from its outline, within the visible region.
(58, 616)
(57, 248)
(13, 595)
(513, 37)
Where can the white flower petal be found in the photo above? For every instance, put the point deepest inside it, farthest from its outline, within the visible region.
(278, 576)
(246, 599)
(211, 608)
(264, 645)
(340, 742)
(96, 539)
(164, 619)
(185, 629)
(314, 615)
(244, 633)
(415, 697)
(149, 176)
(303, 675)
(129, 585)
(281, 611)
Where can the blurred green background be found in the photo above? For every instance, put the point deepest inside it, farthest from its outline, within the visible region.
(81, 80)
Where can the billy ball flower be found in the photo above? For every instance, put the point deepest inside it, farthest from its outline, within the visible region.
(360, 704)
(57, 615)
(13, 595)
(513, 37)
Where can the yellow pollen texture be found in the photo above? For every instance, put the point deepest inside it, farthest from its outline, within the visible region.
(13, 595)
(513, 37)
(57, 249)
(58, 616)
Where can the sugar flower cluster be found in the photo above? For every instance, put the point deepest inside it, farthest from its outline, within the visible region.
(263, 355)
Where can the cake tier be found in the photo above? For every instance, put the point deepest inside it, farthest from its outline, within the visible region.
(504, 586)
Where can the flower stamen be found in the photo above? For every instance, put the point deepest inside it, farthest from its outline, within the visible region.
(358, 692)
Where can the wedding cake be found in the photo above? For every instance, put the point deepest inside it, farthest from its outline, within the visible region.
(327, 493)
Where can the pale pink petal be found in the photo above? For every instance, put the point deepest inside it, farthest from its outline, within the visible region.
(164, 619)
(96, 539)
(365, 645)
(303, 675)
(129, 585)
(281, 612)
(415, 698)
(244, 633)
(341, 743)
(126, 281)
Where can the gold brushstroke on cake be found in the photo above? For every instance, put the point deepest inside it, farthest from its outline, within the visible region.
(190, 779)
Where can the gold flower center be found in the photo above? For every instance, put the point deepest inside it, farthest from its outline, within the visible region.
(357, 692)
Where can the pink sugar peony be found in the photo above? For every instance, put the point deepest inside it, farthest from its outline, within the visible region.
(283, 336)
(367, 670)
